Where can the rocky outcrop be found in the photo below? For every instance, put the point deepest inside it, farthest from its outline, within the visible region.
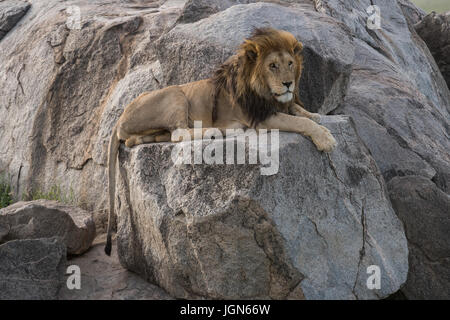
(424, 210)
(46, 219)
(434, 29)
(63, 78)
(31, 269)
(62, 88)
(403, 115)
(11, 11)
(227, 232)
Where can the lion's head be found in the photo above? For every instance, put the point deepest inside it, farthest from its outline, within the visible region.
(274, 62)
(263, 76)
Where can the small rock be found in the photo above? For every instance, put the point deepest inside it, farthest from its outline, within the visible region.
(45, 219)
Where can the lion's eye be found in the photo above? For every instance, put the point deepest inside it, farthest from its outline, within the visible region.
(273, 66)
(291, 63)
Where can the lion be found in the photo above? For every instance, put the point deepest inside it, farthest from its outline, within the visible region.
(255, 88)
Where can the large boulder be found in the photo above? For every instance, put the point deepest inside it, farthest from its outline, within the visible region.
(45, 219)
(64, 78)
(424, 210)
(32, 269)
(434, 29)
(228, 232)
(401, 112)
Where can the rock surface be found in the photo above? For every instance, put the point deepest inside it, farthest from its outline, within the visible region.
(424, 210)
(103, 278)
(45, 219)
(227, 232)
(31, 269)
(434, 29)
(11, 11)
(412, 13)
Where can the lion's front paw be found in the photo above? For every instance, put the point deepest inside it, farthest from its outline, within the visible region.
(315, 117)
(323, 139)
(130, 142)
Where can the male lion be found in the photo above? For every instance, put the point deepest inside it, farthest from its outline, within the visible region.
(256, 88)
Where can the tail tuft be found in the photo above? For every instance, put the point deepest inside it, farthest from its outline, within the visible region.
(108, 246)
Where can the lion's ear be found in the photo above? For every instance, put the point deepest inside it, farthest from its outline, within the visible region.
(298, 49)
(251, 51)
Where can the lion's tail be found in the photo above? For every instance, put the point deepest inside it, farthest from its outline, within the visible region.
(113, 150)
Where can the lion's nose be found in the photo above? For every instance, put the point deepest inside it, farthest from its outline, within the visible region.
(287, 84)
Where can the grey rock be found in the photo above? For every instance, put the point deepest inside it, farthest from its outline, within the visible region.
(401, 113)
(11, 11)
(4, 230)
(46, 219)
(412, 13)
(227, 232)
(434, 29)
(31, 269)
(196, 10)
(103, 278)
(68, 83)
(425, 213)
(403, 116)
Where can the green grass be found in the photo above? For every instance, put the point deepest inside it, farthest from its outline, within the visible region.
(6, 197)
(440, 6)
(54, 193)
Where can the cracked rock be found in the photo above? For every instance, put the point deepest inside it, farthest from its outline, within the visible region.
(11, 11)
(31, 269)
(228, 232)
(425, 213)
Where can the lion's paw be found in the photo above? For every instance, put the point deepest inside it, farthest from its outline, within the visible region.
(315, 117)
(130, 142)
(324, 140)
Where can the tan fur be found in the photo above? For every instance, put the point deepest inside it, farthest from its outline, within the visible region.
(257, 87)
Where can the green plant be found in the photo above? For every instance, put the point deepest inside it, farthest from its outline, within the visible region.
(6, 197)
(54, 193)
